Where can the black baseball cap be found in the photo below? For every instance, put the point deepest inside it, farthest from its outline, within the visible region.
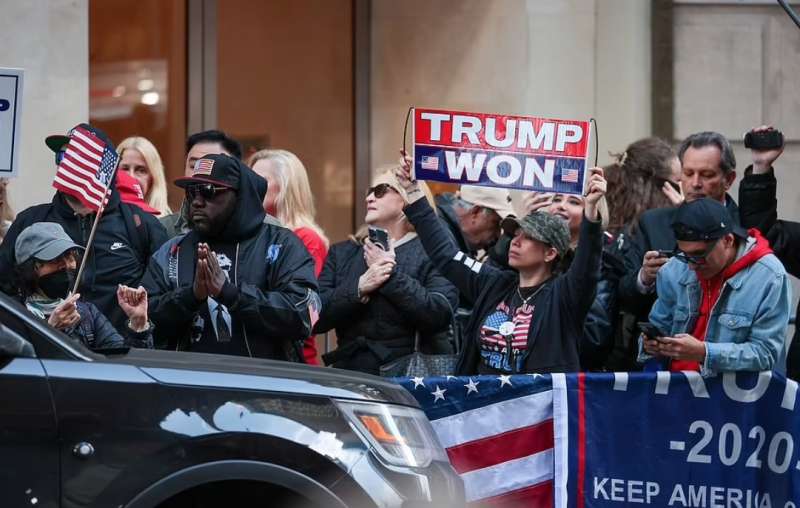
(704, 220)
(217, 169)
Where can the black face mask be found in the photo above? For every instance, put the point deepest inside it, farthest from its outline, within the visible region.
(57, 284)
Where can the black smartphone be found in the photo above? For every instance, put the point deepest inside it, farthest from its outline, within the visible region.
(379, 237)
(666, 253)
(650, 330)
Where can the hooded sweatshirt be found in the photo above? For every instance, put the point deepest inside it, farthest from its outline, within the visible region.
(268, 301)
(711, 289)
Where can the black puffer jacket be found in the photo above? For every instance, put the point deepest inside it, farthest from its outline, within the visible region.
(561, 308)
(416, 298)
(759, 209)
(96, 332)
(119, 254)
(271, 296)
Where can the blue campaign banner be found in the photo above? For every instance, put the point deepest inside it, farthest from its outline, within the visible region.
(677, 440)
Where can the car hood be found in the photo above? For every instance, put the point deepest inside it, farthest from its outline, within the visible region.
(236, 372)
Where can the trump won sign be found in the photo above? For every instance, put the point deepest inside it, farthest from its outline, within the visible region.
(514, 152)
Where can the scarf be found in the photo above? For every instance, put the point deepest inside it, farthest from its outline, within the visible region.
(42, 306)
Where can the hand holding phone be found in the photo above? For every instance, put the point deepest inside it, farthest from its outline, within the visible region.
(379, 237)
(650, 331)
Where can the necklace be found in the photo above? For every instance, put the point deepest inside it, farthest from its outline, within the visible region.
(526, 300)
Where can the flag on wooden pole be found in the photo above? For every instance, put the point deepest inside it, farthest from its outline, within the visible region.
(86, 168)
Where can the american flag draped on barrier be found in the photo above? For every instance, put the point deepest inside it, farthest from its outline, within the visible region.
(498, 434)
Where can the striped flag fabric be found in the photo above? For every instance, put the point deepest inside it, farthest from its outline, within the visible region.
(498, 433)
(569, 175)
(429, 162)
(86, 168)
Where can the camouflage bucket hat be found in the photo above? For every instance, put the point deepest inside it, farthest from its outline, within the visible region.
(543, 227)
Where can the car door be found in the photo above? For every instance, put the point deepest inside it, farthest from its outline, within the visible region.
(29, 464)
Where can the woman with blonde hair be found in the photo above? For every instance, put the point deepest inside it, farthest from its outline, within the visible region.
(289, 199)
(141, 160)
(380, 299)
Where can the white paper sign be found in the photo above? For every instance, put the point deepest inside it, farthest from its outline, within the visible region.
(10, 115)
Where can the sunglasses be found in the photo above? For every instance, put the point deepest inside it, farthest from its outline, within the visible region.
(205, 190)
(696, 259)
(380, 190)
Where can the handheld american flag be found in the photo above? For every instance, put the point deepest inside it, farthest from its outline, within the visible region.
(87, 167)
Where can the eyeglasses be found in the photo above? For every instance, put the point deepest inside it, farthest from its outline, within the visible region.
(696, 259)
(205, 190)
(380, 190)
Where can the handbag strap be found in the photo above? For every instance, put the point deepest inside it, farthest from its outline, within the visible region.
(417, 338)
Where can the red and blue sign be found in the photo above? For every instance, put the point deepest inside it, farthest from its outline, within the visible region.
(513, 152)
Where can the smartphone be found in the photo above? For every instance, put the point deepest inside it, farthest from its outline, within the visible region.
(650, 330)
(379, 237)
(666, 253)
(675, 185)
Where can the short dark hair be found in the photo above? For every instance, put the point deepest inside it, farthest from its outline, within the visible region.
(214, 136)
(710, 138)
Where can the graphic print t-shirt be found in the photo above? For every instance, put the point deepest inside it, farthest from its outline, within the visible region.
(499, 352)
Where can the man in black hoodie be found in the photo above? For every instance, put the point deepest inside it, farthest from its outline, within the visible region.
(232, 284)
(125, 238)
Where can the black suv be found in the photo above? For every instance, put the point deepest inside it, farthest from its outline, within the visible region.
(144, 428)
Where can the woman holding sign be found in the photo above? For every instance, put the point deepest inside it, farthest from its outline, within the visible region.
(528, 320)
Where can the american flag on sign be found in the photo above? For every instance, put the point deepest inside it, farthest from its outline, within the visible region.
(569, 175)
(86, 169)
(429, 162)
(498, 433)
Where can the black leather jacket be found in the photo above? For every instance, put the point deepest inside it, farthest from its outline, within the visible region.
(759, 209)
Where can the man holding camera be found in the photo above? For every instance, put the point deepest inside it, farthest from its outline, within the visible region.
(757, 195)
(723, 300)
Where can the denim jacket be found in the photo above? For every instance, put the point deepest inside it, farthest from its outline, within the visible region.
(747, 326)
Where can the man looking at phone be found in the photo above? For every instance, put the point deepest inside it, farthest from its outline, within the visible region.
(723, 299)
(232, 284)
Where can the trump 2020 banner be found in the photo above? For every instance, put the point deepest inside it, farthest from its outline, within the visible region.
(678, 440)
(514, 152)
(608, 440)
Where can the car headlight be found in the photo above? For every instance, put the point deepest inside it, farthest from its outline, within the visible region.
(400, 435)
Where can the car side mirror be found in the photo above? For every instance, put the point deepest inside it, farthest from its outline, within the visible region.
(12, 345)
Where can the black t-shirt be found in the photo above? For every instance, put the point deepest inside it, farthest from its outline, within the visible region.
(504, 332)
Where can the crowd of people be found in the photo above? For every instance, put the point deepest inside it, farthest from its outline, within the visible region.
(654, 267)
